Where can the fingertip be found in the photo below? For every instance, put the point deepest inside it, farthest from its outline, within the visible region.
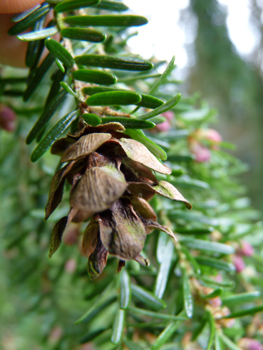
(17, 6)
(12, 50)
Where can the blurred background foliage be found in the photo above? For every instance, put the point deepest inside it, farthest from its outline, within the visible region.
(231, 83)
(41, 299)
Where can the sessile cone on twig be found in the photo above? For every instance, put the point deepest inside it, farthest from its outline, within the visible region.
(111, 183)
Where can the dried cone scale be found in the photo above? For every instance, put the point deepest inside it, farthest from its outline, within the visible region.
(111, 182)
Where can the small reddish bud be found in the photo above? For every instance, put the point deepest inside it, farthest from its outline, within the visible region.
(239, 263)
(71, 234)
(197, 144)
(165, 126)
(169, 115)
(7, 118)
(55, 334)
(215, 302)
(218, 278)
(70, 265)
(250, 344)
(202, 153)
(211, 135)
(246, 249)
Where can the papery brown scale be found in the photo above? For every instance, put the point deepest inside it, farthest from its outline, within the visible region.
(82, 215)
(112, 148)
(96, 159)
(141, 190)
(98, 189)
(168, 190)
(137, 169)
(88, 129)
(84, 146)
(56, 189)
(77, 171)
(141, 260)
(56, 236)
(72, 213)
(97, 261)
(90, 238)
(139, 153)
(150, 224)
(143, 208)
(58, 230)
(126, 237)
(117, 161)
(132, 177)
(163, 188)
(80, 166)
(59, 147)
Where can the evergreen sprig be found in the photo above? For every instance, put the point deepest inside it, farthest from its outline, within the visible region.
(191, 282)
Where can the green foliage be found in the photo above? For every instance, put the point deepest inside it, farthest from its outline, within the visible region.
(147, 101)
(71, 5)
(46, 115)
(37, 76)
(165, 107)
(59, 52)
(192, 285)
(111, 98)
(130, 123)
(112, 6)
(106, 20)
(29, 20)
(38, 34)
(113, 62)
(94, 76)
(84, 34)
(53, 135)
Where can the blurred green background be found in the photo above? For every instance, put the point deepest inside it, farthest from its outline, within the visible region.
(231, 84)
